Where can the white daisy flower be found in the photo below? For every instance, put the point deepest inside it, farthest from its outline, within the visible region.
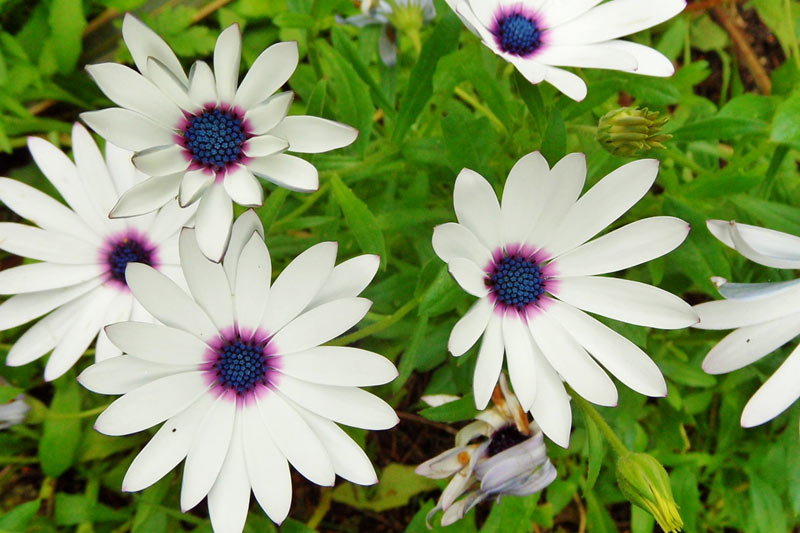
(529, 262)
(14, 411)
(380, 12)
(764, 316)
(537, 36)
(80, 277)
(239, 378)
(509, 459)
(202, 138)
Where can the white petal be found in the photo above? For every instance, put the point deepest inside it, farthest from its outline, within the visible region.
(489, 363)
(242, 187)
(130, 90)
(42, 210)
(753, 291)
(24, 307)
(43, 276)
(524, 196)
(625, 247)
(551, 410)
(568, 83)
(485, 12)
(627, 301)
(728, 314)
(271, 69)
(296, 440)
(470, 327)
(750, 343)
(477, 208)
(144, 43)
(173, 87)
(162, 160)
(252, 283)
(127, 129)
(469, 276)
(207, 281)
(288, 171)
(147, 196)
(560, 12)
(267, 467)
(451, 241)
(157, 343)
(167, 302)
(616, 353)
(347, 405)
(572, 362)
(339, 365)
(348, 279)
(520, 357)
(208, 451)
(779, 392)
(202, 86)
(263, 117)
(92, 169)
(265, 145)
(32, 242)
(227, 56)
(120, 375)
(766, 247)
(118, 310)
(651, 62)
(243, 229)
(151, 403)
(166, 226)
(168, 447)
(297, 285)
(319, 325)
(313, 135)
(591, 56)
(566, 182)
(213, 221)
(229, 498)
(193, 185)
(532, 70)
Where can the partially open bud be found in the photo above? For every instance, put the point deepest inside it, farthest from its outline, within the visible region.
(645, 483)
(628, 131)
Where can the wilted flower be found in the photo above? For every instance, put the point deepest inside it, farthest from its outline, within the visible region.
(14, 411)
(536, 36)
(499, 454)
(766, 316)
(645, 483)
(629, 131)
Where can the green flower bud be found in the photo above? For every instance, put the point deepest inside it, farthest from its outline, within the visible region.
(628, 131)
(645, 483)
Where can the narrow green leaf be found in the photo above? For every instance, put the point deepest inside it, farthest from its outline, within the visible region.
(66, 25)
(269, 211)
(408, 361)
(455, 411)
(61, 437)
(9, 393)
(360, 219)
(17, 519)
(554, 145)
(719, 128)
(398, 483)
(597, 451)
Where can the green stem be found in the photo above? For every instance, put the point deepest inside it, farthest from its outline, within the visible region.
(322, 509)
(589, 410)
(307, 203)
(485, 111)
(184, 517)
(787, 4)
(79, 414)
(684, 160)
(774, 164)
(368, 162)
(11, 460)
(377, 326)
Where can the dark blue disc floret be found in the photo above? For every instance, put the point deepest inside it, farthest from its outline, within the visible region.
(517, 34)
(241, 366)
(127, 250)
(503, 439)
(516, 281)
(215, 138)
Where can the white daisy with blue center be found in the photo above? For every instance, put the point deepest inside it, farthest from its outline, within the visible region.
(538, 36)
(531, 263)
(238, 375)
(205, 137)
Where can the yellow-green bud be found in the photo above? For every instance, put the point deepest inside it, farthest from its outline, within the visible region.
(628, 131)
(645, 483)
(408, 17)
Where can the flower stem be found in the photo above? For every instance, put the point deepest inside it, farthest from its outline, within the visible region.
(589, 410)
(322, 509)
(485, 111)
(377, 326)
(80, 414)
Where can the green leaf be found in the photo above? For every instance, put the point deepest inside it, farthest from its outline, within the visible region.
(687, 495)
(61, 436)
(360, 219)
(532, 96)
(293, 526)
(786, 123)
(773, 215)
(597, 518)
(685, 373)
(409, 358)
(269, 211)
(554, 146)
(768, 512)
(720, 127)
(418, 525)
(398, 483)
(66, 25)
(149, 518)
(511, 514)
(9, 393)
(17, 519)
(597, 451)
(455, 411)
(294, 20)
(316, 103)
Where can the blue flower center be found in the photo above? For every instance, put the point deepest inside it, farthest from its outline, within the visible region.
(127, 250)
(517, 34)
(516, 281)
(503, 439)
(215, 138)
(241, 366)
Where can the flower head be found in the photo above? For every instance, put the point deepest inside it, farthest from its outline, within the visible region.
(12, 412)
(501, 453)
(80, 277)
(204, 137)
(645, 483)
(530, 262)
(629, 131)
(764, 317)
(238, 375)
(538, 36)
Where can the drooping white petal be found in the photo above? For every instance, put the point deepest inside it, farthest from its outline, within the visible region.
(265, 145)
(591, 56)
(213, 222)
(227, 57)
(651, 62)
(489, 363)
(470, 327)
(263, 117)
(208, 451)
(469, 276)
(520, 357)
(477, 208)
(147, 196)
(127, 129)
(766, 247)
(551, 410)
(92, 170)
(451, 241)
(167, 302)
(32, 242)
(297, 285)
(348, 279)
(252, 283)
(319, 325)
(728, 314)
(44, 276)
(616, 353)
(776, 395)
(168, 447)
(243, 229)
(313, 135)
(120, 375)
(271, 69)
(207, 281)
(229, 497)
(347, 405)
(21, 308)
(161, 160)
(157, 343)
(242, 187)
(145, 43)
(568, 83)
(629, 301)
(117, 311)
(340, 366)
(193, 185)
(603, 204)
(524, 197)
(202, 86)
(566, 182)
(288, 171)
(754, 291)
(625, 247)
(151, 403)
(750, 343)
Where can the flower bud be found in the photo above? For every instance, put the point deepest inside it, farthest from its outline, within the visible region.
(628, 131)
(645, 483)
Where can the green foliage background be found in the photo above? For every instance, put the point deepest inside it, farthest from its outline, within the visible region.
(451, 105)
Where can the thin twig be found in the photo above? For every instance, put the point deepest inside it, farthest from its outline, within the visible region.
(581, 513)
(208, 9)
(743, 47)
(100, 20)
(422, 420)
